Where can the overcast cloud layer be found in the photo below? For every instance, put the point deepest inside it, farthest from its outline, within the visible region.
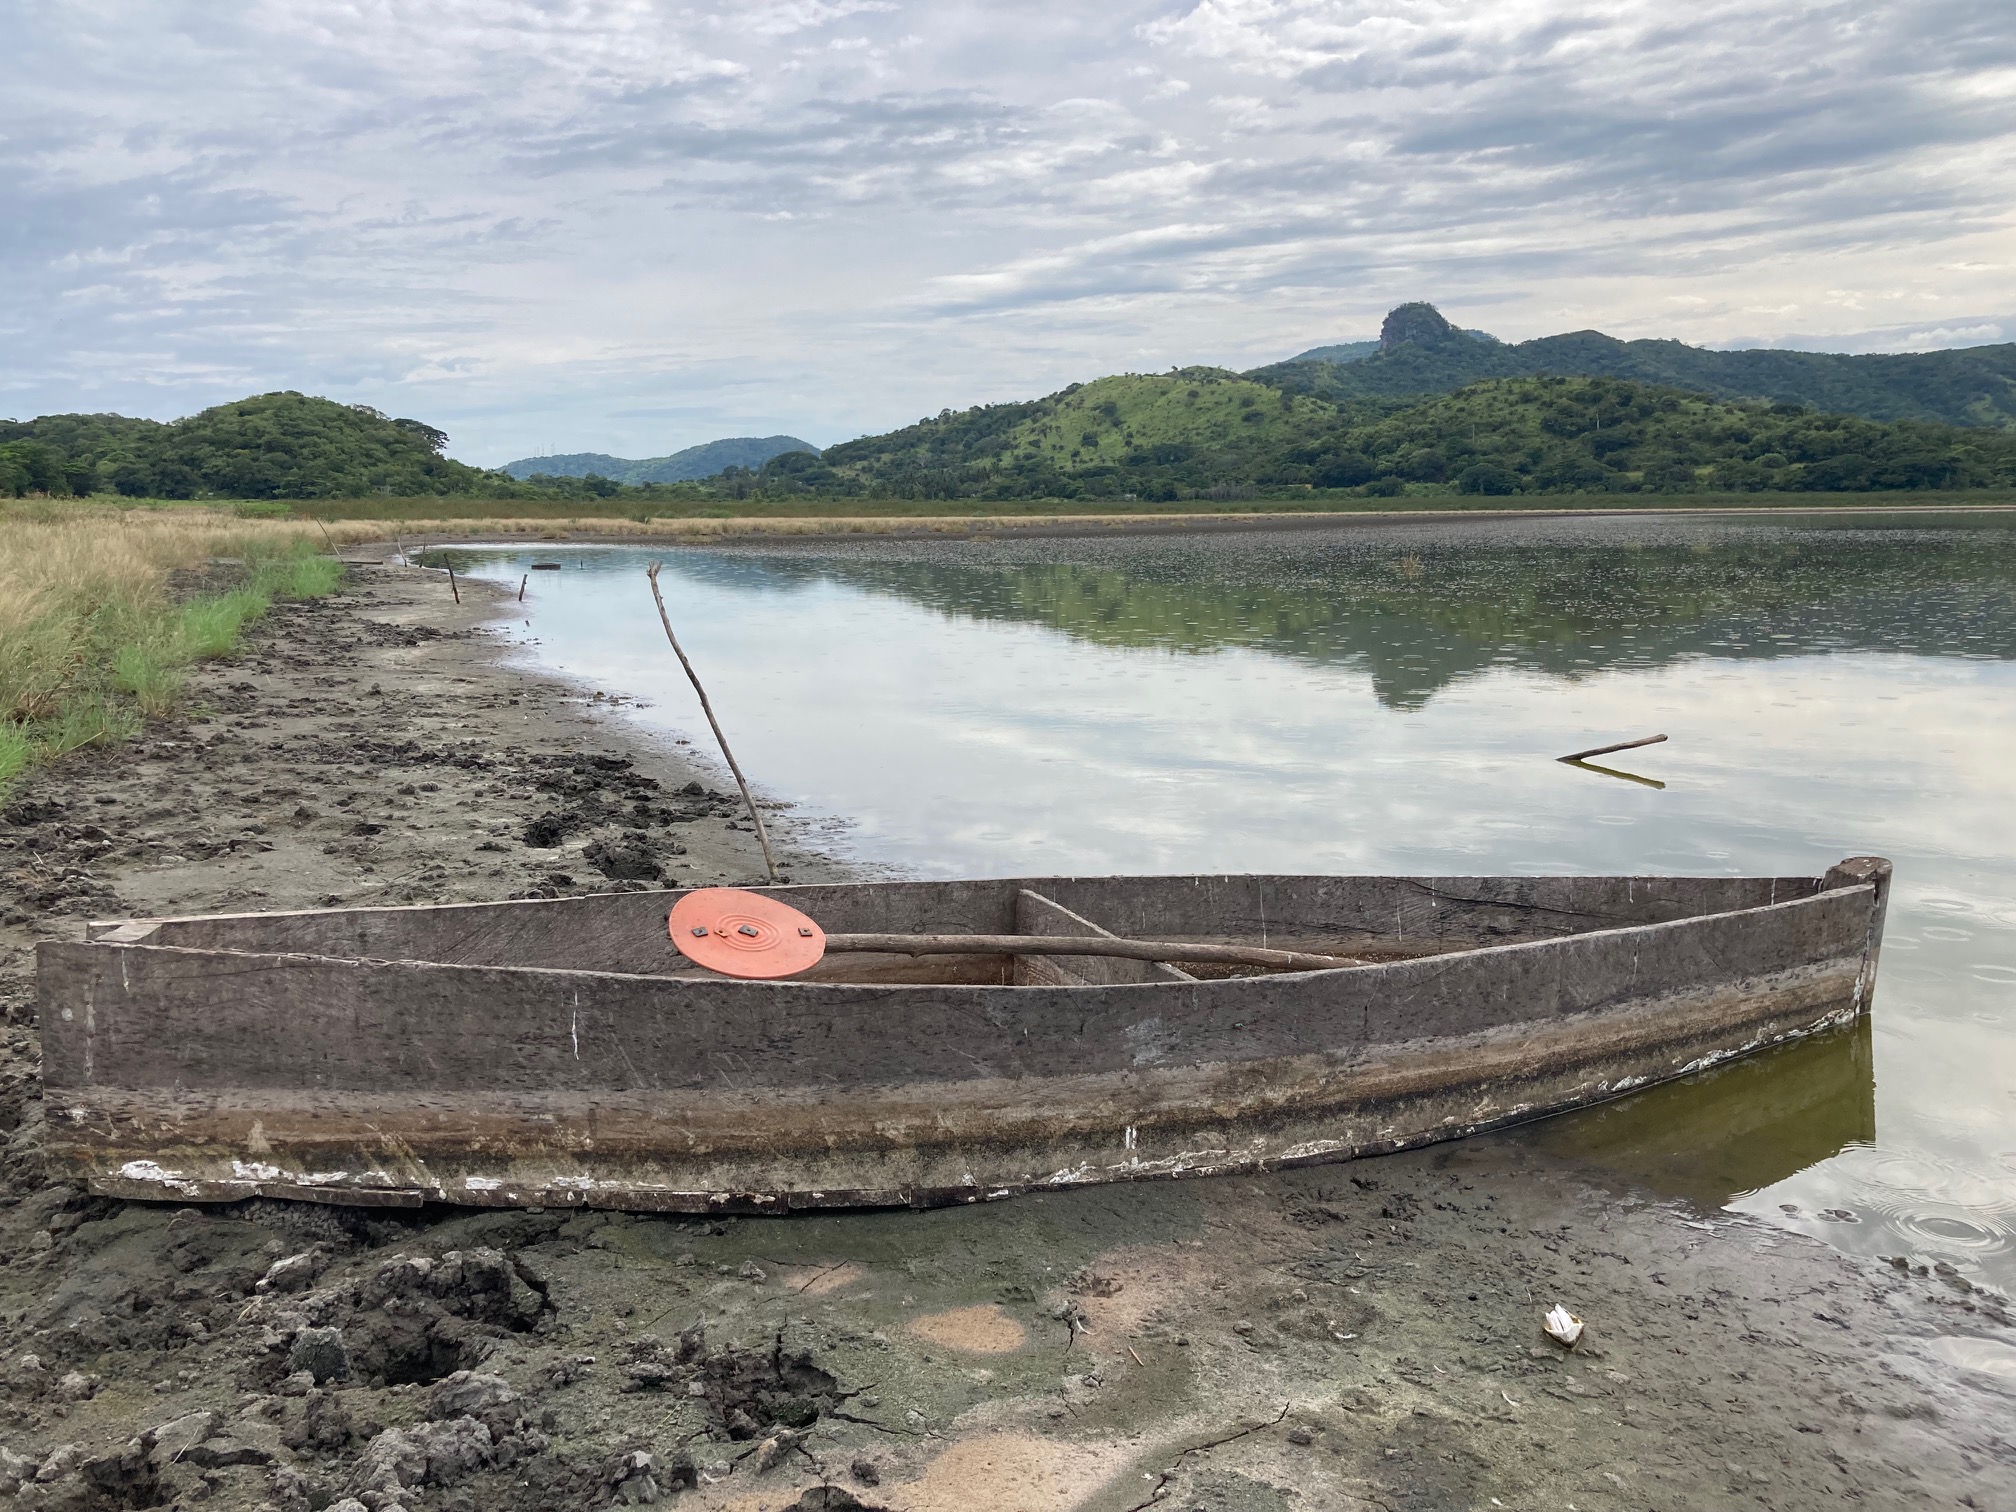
(625, 226)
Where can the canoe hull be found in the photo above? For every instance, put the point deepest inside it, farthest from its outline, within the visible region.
(191, 1073)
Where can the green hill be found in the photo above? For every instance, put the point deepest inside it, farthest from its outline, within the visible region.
(1202, 432)
(694, 462)
(1973, 386)
(1343, 351)
(273, 446)
(1195, 429)
(1543, 435)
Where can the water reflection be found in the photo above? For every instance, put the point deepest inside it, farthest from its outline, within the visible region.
(1737, 1130)
(1390, 700)
(1418, 610)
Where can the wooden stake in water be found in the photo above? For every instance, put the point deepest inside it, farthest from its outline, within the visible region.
(523, 579)
(762, 835)
(451, 581)
(1622, 745)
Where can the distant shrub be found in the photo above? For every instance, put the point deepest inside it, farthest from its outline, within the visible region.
(1487, 478)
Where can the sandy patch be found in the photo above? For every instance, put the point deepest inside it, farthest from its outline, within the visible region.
(984, 1329)
(821, 1280)
(1006, 1472)
(1171, 1279)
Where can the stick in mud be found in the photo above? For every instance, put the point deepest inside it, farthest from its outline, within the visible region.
(707, 708)
(451, 581)
(1622, 745)
(522, 581)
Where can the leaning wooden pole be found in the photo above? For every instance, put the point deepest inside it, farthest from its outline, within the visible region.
(1622, 745)
(762, 835)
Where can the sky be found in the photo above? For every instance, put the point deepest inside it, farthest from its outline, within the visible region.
(626, 226)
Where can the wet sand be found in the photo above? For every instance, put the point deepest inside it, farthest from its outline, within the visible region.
(1357, 1336)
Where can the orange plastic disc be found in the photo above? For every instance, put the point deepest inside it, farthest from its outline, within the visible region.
(744, 934)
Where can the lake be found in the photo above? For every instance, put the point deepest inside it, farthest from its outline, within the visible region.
(1389, 698)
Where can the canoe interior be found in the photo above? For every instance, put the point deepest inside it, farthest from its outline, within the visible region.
(1369, 918)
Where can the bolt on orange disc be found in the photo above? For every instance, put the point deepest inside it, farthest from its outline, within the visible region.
(744, 934)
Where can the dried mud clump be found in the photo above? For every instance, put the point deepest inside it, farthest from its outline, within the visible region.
(171, 1464)
(628, 856)
(748, 1394)
(631, 1476)
(597, 791)
(400, 1463)
(91, 1309)
(832, 1499)
(327, 1426)
(413, 1321)
(549, 829)
(53, 848)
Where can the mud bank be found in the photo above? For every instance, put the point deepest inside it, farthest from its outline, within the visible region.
(1360, 1336)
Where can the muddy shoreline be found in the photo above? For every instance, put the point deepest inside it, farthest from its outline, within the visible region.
(798, 529)
(1357, 1336)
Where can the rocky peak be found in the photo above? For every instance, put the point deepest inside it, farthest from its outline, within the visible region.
(1419, 323)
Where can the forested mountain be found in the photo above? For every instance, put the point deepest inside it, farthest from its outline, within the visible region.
(1433, 410)
(1204, 432)
(1963, 386)
(702, 461)
(273, 446)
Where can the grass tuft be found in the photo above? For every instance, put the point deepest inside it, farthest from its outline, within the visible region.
(93, 639)
(149, 675)
(15, 749)
(212, 626)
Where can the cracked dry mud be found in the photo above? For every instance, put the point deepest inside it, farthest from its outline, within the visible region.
(1356, 1336)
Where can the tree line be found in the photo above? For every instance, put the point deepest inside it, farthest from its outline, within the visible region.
(1189, 434)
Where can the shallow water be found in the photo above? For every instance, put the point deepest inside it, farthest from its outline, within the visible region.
(1389, 699)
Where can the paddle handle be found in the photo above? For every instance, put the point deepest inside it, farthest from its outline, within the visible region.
(1087, 945)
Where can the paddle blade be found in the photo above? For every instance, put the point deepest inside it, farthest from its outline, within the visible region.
(744, 934)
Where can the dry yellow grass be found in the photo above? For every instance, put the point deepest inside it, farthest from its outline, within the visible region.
(91, 638)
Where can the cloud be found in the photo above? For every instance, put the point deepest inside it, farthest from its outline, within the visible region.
(620, 225)
(1980, 331)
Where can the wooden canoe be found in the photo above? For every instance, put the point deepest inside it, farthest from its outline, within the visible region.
(561, 1052)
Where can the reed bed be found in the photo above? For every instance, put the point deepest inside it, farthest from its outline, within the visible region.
(96, 631)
